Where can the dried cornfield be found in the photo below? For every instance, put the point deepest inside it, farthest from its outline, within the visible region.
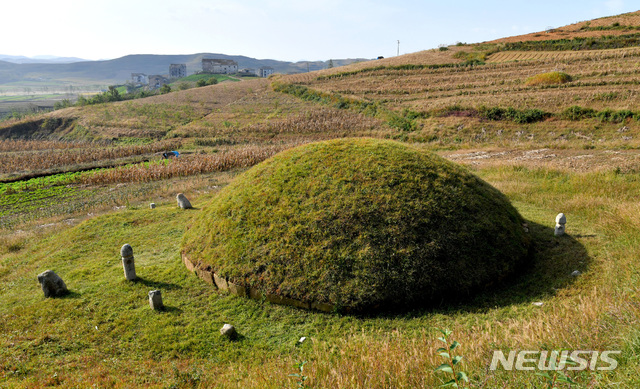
(40, 158)
(239, 157)
(12, 145)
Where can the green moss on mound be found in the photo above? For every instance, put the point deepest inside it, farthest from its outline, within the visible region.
(359, 223)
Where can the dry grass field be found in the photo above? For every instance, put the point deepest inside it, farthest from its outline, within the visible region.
(86, 175)
(630, 20)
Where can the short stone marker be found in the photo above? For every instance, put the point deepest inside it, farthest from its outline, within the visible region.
(155, 300)
(51, 284)
(183, 202)
(561, 220)
(152, 205)
(229, 331)
(128, 263)
(575, 273)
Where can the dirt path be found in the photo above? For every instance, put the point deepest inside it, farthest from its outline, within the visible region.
(625, 161)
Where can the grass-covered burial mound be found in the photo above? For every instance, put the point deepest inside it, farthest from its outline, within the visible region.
(358, 224)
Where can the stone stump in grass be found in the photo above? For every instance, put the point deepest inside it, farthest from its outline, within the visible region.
(52, 285)
(155, 300)
(183, 202)
(128, 262)
(229, 331)
(561, 220)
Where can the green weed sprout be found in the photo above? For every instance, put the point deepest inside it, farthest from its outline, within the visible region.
(299, 375)
(459, 377)
(556, 376)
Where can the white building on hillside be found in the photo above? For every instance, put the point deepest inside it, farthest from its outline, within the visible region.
(139, 78)
(219, 66)
(265, 71)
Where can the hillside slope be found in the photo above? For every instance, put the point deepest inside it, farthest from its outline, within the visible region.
(460, 95)
(627, 23)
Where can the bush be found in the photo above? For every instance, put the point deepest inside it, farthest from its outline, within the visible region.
(359, 223)
(528, 116)
(518, 116)
(494, 113)
(621, 116)
(577, 113)
(550, 78)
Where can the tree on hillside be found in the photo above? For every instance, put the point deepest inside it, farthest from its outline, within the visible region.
(165, 89)
(114, 95)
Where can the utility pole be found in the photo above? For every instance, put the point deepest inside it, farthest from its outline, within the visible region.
(398, 47)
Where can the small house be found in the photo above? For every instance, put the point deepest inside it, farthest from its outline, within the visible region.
(219, 66)
(139, 79)
(177, 70)
(157, 81)
(265, 71)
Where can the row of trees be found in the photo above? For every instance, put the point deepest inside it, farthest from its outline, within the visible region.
(113, 94)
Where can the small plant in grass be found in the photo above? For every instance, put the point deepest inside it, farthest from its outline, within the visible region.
(301, 378)
(555, 376)
(186, 379)
(451, 366)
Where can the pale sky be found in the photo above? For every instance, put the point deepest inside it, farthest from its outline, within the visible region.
(289, 30)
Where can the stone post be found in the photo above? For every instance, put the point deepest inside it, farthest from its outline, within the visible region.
(561, 220)
(183, 202)
(155, 300)
(152, 205)
(51, 284)
(127, 262)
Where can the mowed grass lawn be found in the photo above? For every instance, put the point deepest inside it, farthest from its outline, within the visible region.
(104, 334)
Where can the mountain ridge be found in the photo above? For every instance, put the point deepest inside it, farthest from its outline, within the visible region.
(118, 70)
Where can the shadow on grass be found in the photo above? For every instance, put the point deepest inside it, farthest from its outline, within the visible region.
(157, 284)
(550, 268)
(70, 295)
(168, 309)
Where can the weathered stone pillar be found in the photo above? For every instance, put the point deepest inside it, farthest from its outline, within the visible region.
(127, 262)
(51, 284)
(183, 202)
(155, 300)
(561, 220)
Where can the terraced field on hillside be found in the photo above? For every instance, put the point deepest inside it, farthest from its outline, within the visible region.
(594, 55)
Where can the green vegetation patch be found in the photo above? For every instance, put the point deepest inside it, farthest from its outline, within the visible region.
(604, 42)
(360, 224)
(549, 78)
(470, 60)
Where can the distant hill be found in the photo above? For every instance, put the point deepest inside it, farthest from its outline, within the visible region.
(119, 70)
(39, 59)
